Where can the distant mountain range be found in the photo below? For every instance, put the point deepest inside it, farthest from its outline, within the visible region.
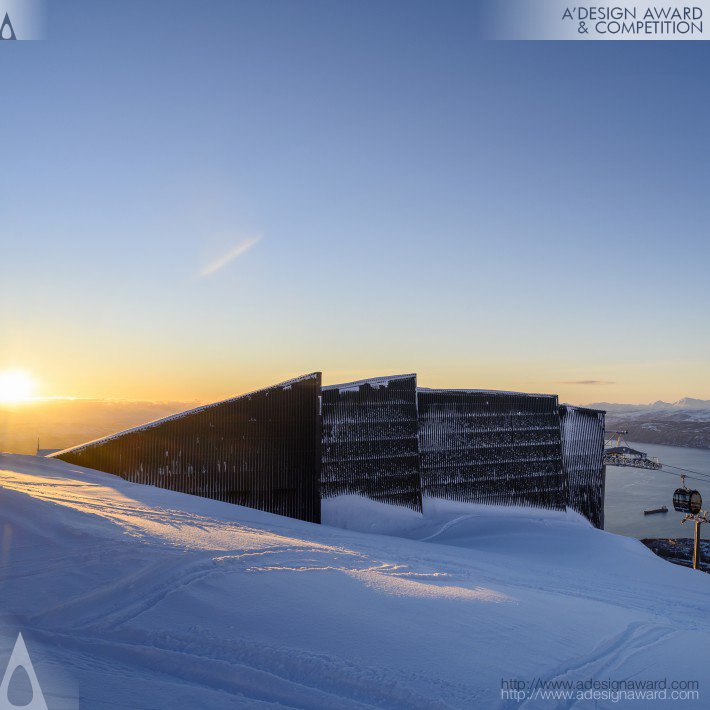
(682, 423)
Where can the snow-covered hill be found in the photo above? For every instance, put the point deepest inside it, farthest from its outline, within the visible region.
(682, 423)
(134, 597)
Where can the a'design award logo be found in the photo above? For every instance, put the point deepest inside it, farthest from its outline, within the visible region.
(6, 29)
(20, 658)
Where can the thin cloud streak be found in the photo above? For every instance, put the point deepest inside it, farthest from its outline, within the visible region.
(230, 256)
(586, 382)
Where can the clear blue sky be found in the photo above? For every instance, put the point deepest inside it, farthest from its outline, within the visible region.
(519, 215)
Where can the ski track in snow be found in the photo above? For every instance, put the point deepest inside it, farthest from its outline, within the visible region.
(149, 598)
(637, 639)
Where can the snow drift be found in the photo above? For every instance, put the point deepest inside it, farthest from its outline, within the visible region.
(130, 596)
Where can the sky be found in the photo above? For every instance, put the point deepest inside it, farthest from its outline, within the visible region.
(197, 200)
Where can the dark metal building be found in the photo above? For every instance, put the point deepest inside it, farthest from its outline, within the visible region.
(282, 448)
(583, 460)
(262, 450)
(370, 440)
(491, 447)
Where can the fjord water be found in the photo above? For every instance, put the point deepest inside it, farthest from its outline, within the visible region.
(630, 491)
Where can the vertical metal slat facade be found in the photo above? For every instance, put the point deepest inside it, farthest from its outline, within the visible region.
(491, 447)
(261, 450)
(583, 460)
(370, 443)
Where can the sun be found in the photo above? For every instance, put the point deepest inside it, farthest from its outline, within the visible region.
(15, 386)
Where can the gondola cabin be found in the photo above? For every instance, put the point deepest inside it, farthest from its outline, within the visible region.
(686, 500)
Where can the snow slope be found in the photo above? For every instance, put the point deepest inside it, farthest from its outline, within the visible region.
(134, 597)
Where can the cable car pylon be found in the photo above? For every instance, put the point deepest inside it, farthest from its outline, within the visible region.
(690, 502)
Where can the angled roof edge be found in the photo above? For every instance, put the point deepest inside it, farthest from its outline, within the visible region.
(582, 409)
(180, 415)
(455, 390)
(382, 380)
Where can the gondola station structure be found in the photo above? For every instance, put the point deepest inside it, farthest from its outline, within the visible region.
(283, 448)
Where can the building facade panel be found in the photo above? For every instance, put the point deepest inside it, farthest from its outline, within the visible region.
(491, 447)
(261, 450)
(370, 444)
(583, 460)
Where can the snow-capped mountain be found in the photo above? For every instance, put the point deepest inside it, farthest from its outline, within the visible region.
(682, 423)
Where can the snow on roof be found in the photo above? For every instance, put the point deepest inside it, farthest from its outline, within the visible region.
(180, 415)
(372, 381)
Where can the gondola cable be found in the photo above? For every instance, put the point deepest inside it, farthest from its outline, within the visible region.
(688, 470)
